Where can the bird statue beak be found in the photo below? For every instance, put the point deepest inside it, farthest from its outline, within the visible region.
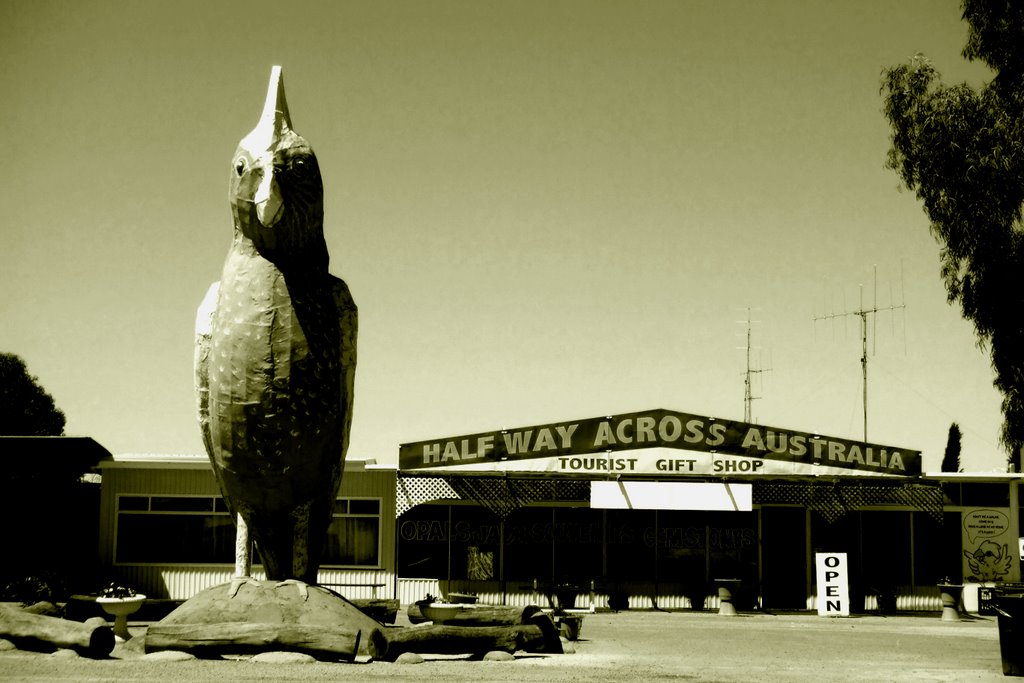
(275, 109)
(269, 205)
(274, 124)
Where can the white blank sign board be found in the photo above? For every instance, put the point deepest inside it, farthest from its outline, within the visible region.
(670, 495)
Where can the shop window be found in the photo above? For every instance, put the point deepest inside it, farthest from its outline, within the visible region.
(173, 529)
(423, 542)
(977, 494)
(694, 548)
(577, 535)
(985, 495)
(353, 538)
(475, 543)
(528, 548)
(631, 547)
(936, 549)
(200, 530)
(886, 558)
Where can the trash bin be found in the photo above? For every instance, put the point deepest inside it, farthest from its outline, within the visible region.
(1009, 608)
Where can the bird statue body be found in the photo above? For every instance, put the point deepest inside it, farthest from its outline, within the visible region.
(276, 351)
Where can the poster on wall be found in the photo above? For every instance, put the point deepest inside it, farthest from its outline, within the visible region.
(988, 542)
(663, 443)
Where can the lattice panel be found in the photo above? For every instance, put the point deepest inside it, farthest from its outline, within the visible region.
(411, 491)
(834, 500)
(503, 495)
(500, 495)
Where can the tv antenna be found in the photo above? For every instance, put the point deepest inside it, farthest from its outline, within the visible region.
(748, 395)
(864, 313)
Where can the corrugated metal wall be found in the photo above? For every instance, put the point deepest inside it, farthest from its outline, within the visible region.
(180, 582)
(411, 590)
(908, 599)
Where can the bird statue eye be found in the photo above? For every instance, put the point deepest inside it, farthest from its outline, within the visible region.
(299, 166)
(240, 166)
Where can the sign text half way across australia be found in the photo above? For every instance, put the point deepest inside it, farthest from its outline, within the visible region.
(657, 442)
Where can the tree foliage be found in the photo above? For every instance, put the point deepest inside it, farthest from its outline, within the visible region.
(951, 458)
(25, 407)
(961, 150)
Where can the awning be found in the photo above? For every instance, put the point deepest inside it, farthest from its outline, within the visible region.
(831, 499)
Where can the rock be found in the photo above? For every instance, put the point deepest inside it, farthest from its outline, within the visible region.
(95, 622)
(498, 656)
(6, 645)
(43, 607)
(136, 645)
(168, 656)
(277, 606)
(283, 658)
(409, 658)
(64, 653)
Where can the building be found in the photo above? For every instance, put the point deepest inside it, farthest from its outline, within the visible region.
(645, 509)
(164, 528)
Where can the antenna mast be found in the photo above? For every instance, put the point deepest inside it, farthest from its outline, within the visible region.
(748, 397)
(863, 313)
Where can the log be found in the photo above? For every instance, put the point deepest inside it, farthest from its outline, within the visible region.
(492, 615)
(380, 609)
(39, 632)
(550, 637)
(540, 635)
(323, 642)
(456, 640)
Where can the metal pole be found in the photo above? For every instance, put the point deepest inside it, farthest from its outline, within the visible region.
(864, 364)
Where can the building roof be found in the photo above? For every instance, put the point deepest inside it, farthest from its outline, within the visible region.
(973, 477)
(186, 461)
(66, 453)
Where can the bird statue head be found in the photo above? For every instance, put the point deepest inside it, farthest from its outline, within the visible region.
(276, 192)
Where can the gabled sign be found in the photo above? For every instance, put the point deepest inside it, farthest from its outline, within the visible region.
(658, 442)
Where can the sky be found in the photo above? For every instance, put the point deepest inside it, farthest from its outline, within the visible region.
(545, 211)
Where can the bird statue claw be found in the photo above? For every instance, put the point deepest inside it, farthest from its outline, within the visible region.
(302, 586)
(237, 582)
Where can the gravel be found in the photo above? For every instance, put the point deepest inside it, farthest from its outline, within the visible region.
(633, 646)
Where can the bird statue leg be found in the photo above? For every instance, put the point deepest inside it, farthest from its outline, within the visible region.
(243, 556)
(300, 548)
(243, 552)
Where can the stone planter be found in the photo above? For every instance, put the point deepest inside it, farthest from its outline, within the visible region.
(727, 589)
(950, 594)
(440, 612)
(120, 609)
(565, 597)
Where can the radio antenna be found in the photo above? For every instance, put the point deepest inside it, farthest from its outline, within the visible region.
(863, 313)
(748, 393)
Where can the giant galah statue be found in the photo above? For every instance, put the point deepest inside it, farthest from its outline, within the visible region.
(276, 353)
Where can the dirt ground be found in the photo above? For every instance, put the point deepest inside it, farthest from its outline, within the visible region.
(633, 646)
